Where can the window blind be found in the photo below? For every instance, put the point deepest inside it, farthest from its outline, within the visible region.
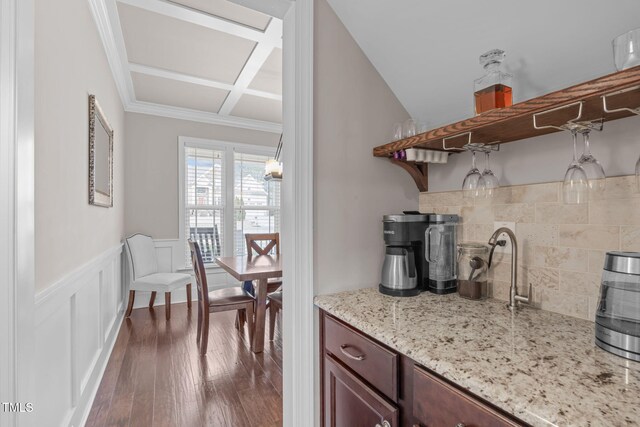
(204, 201)
(256, 201)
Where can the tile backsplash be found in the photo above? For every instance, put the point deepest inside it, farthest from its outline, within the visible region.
(561, 247)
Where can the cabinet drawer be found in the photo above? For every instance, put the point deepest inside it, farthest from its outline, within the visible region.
(374, 363)
(437, 403)
(349, 402)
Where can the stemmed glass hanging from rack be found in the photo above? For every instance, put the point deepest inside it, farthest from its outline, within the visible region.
(488, 182)
(591, 166)
(635, 110)
(273, 167)
(470, 183)
(575, 188)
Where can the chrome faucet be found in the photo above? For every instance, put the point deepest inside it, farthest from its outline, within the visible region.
(514, 298)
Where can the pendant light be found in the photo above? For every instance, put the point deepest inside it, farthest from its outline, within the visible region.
(273, 167)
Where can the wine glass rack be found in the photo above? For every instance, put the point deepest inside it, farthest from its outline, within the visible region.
(583, 106)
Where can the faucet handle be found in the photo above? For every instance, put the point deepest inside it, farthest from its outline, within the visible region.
(528, 299)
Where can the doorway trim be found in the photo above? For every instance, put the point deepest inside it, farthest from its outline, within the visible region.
(17, 203)
(299, 408)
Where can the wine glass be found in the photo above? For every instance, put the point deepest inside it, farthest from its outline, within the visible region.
(591, 166)
(470, 183)
(488, 182)
(575, 188)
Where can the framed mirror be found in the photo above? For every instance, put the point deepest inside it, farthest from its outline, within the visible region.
(100, 157)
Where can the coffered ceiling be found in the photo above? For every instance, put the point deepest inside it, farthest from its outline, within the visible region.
(210, 61)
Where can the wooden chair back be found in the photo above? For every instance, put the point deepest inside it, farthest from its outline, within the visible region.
(270, 241)
(200, 273)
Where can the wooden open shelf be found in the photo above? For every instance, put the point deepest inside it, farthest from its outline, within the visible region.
(516, 122)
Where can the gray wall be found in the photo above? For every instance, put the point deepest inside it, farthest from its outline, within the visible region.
(354, 111)
(545, 158)
(151, 168)
(70, 64)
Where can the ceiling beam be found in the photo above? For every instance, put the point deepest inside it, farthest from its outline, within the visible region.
(277, 8)
(253, 65)
(202, 117)
(198, 17)
(186, 78)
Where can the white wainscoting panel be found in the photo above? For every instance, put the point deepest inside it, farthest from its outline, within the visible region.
(171, 258)
(77, 321)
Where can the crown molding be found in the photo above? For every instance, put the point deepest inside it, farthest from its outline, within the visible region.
(105, 14)
(201, 116)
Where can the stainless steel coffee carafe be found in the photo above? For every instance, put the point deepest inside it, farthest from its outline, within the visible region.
(441, 253)
(399, 269)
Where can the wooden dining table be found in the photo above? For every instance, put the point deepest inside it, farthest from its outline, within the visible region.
(259, 269)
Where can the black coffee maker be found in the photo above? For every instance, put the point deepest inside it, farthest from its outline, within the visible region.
(405, 271)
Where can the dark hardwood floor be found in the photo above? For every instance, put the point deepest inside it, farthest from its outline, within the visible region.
(156, 377)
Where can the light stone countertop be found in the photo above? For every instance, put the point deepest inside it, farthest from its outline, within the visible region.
(542, 367)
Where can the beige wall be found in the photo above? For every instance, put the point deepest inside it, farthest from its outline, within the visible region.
(561, 247)
(354, 110)
(70, 64)
(151, 168)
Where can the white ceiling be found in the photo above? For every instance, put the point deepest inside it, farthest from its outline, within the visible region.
(212, 61)
(427, 51)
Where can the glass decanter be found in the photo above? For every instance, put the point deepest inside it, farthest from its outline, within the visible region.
(494, 89)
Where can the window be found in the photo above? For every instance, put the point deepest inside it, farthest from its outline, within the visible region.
(223, 195)
(256, 202)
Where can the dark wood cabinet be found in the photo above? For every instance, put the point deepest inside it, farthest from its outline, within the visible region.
(438, 403)
(349, 402)
(366, 384)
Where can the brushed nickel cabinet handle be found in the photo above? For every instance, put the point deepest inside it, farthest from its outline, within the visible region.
(385, 423)
(460, 425)
(343, 349)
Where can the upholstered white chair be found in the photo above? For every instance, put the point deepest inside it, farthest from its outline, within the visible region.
(144, 275)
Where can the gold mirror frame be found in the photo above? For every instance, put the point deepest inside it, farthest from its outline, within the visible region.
(97, 118)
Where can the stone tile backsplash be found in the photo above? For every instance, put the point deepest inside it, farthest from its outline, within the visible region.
(561, 247)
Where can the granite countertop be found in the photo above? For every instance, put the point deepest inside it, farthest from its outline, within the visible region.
(542, 367)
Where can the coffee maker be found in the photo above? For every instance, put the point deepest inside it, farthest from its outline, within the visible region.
(405, 271)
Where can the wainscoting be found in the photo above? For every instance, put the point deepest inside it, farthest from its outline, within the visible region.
(77, 320)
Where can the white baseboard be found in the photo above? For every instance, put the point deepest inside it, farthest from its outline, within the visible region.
(77, 321)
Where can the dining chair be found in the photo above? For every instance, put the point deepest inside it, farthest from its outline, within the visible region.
(227, 299)
(275, 305)
(263, 244)
(144, 275)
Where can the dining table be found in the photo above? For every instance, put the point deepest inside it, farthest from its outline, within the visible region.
(258, 269)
